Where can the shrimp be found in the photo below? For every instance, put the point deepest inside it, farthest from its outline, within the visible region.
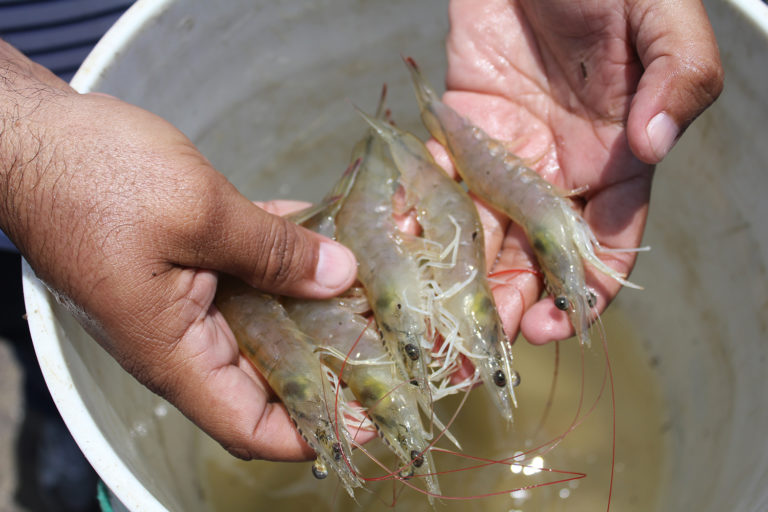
(283, 354)
(353, 349)
(466, 296)
(387, 267)
(321, 218)
(560, 237)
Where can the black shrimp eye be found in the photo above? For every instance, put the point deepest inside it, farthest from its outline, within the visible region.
(417, 458)
(515, 379)
(412, 351)
(591, 299)
(499, 378)
(319, 470)
(561, 303)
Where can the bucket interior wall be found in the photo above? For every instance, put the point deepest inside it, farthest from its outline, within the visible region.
(705, 309)
(263, 88)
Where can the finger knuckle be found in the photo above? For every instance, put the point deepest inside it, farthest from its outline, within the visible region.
(706, 76)
(283, 256)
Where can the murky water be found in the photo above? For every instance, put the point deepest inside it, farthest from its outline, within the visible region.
(580, 390)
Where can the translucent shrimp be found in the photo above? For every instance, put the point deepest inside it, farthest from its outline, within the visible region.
(273, 343)
(464, 296)
(321, 218)
(387, 267)
(560, 238)
(353, 348)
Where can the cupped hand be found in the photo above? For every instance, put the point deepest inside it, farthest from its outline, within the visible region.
(129, 225)
(592, 93)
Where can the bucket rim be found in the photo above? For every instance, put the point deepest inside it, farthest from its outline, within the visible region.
(112, 470)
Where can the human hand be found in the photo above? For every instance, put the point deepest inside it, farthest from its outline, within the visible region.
(594, 93)
(128, 224)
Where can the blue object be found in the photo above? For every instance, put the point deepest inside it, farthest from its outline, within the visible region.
(5, 244)
(58, 34)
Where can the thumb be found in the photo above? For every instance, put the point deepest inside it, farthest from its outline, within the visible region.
(267, 251)
(683, 74)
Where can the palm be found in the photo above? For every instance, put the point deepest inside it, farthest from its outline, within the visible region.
(541, 77)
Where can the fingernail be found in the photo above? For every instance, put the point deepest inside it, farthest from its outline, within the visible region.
(662, 132)
(335, 265)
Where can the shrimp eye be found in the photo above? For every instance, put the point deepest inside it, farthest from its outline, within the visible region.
(499, 378)
(515, 379)
(319, 470)
(414, 382)
(561, 303)
(412, 351)
(591, 299)
(337, 451)
(417, 458)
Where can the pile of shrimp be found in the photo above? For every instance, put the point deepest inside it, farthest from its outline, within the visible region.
(381, 355)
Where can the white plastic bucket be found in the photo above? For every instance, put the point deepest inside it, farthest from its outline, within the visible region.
(257, 84)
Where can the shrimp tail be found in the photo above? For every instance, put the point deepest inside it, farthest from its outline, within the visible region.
(392, 136)
(380, 107)
(320, 217)
(429, 102)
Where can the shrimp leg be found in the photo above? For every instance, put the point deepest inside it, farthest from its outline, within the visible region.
(387, 267)
(559, 236)
(469, 306)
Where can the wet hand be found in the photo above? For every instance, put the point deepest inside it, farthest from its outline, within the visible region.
(593, 94)
(129, 226)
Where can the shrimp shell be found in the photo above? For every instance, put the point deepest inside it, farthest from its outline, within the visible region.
(338, 328)
(560, 238)
(387, 267)
(465, 295)
(284, 355)
(357, 355)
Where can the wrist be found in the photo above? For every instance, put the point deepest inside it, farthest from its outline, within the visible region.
(31, 100)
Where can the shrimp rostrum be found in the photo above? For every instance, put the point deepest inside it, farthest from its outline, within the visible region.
(561, 240)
